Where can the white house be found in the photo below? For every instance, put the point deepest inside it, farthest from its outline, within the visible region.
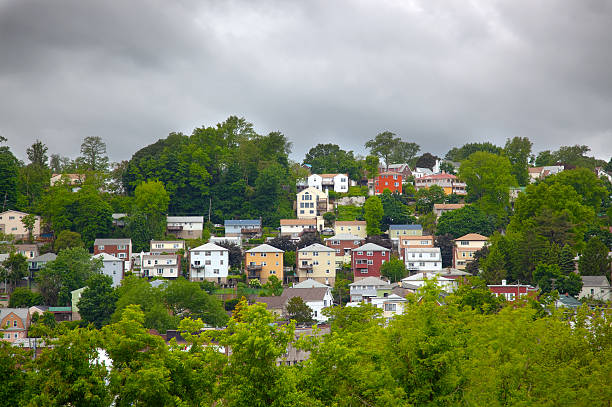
(391, 305)
(420, 259)
(161, 265)
(325, 182)
(317, 298)
(311, 203)
(596, 287)
(186, 227)
(112, 266)
(419, 280)
(209, 262)
(294, 228)
(369, 287)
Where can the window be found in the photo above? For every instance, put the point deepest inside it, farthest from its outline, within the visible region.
(592, 291)
(216, 271)
(121, 255)
(311, 211)
(101, 247)
(369, 254)
(272, 271)
(432, 255)
(364, 271)
(410, 264)
(370, 262)
(197, 262)
(337, 251)
(424, 241)
(206, 253)
(121, 247)
(510, 296)
(397, 184)
(15, 323)
(277, 263)
(301, 212)
(263, 263)
(168, 261)
(160, 271)
(315, 253)
(465, 243)
(207, 262)
(221, 261)
(391, 307)
(11, 217)
(359, 252)
(422, 264)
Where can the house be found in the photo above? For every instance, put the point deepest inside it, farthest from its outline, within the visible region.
(391, 304)
(600, 172)
(112, 266)
(536, 173)
(366, 260)
(235, 240)
(312, 203)
(29, 251)
(295, 228)
(11, 224)
(167, 246)
(596, 287)
(120, 248)
(325, 182)
(119, 219)
(161, 265)
(316, 262)
(243, 228)
(343, 244)
(388, 180)
(406, 242)
(69, 179)
(14, 323)
(369, 287)
(421, 172)
(419, 259)
(513, 193)
(264, 261)
(209, 262)
(440, 209)
(351, 227)
(567, 301)
(317, 298)
(448, 182)
(185, 227)
(419, 280)
(401, 169)
(76, 297)
(38, 262)
(398, 231)
(309, 283)
(454, 274)
(465, 247)
(511, 292)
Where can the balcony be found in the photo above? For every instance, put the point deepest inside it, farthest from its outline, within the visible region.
(250, 231)
(175, 227)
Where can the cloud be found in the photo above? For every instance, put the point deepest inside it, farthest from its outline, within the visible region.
(440, 73)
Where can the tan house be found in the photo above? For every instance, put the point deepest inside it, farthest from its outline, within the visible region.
(14, 323)
(70, 179)
(29, 251)
(167, 246)
(264, 261)
(11, 224)
(399, 231)
(351, 227)
(414, 242)
(294, 228)
(439, 209)
(448, 182)
(311, 203)
(317, 262)
(465, 247)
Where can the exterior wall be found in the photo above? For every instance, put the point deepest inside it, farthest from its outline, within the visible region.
(170, 246)
(165, 266)
(212, 265)
(343, 249)
(10, 223)
(226, 239)
(13, 327)
(367, 264)
(236, 230)
(293, 230)
(355, 228)
(311, 203)
(29, 251)
(357, 292)
(599, 293)
(320, 266)
(338, 183)
(419, 261)
(414, 242)
(464, 253)
(123, 252)
(448, 182)
(439, 209)
(511, 292)
(113, 269)
(398, 233)
(390, 181)
(185, 229)
(318, 306)
(271, 265)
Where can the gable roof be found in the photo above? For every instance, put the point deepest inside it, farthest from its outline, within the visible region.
(595, 281)
(307, 294)
(448, 206)
(309, 283)
(185, 219)
(375, 281)
(472, 236)
(106, 257)
(43, 257)
(265, 248)
(242, 222)
(405, 227)
(371, 247)
(102, 242)
(20, 312)
(316, 247)
(437, 176)
(350, 223)
(273, 302)
(424, 275)
(344, 236)
(289, 222)
(209, 247)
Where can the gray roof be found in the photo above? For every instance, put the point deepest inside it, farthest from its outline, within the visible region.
(20, 312)
(422, 249)
(316, 247)
(375, 281)
(44, 257)
(405, 227)
(569, 302)
(264, 248)
(307, 294)
(595, 281)
(208, 247)
(185, 219)
(106, 257)
(344, 236)
(371, 247)
(242, 222)
(273, 302)
(309, 283)
(102, 242)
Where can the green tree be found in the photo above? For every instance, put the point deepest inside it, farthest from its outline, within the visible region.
(594, 260)
(469, 219)
(235, 254)
(93, 157)
(273, 286)
(373, 213)
(151, 199)
(476, 295)
(298, 311)
(396, 212)
(24, 297)
(448, 168)
(394, 270)
(427, 160)
(566, 260)
(549, 277)
(9, 174)
(186, 298)
(98, 300)
(15, 365)
(14, 269)
(331, 159)
(329, 218)
(28, 222)
(66, 239)
(384, 146)
(404, 152)
(518, 151)
(370, 165)
(463, 152)
(427, 197)
(37, 154)
(446, 244)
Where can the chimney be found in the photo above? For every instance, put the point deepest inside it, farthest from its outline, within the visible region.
(503, 282)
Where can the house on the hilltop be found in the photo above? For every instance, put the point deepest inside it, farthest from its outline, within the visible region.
(112, 266)
(295, 228)
(264, 261)
(388, 180)
(316, 262)
(512, 292)
(351, 227)
(243, 228)
(185, 227)
(398, 231)
(419, 259)
(120, 248)
(448, 182)
(14, 323)
(465, 247)
(11, 224)
(161, 265)
(209, 262)
(317, 298)
(366, 260)
(440, 209)
(167, 246)
(343, 244)
(596, 287)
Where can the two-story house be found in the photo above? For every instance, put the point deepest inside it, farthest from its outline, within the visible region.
(398, 231)
(161, 265)
(414, 242)
(402, 169)
(343, 244)
(311, 203)
(264, 261)
(209, 262)
(243, 228)
(440, 209)
(11, 224)
(185, 227)
(448, 182)
(325, 182)
(366, 260)
(351, 227)
(112, 266)
(120, 248)
(316, 298)
(29, 251)
(512, 292)
(422, 259)
(596, 287)
(14, 323)
(465, 247)
(388, 180)
(419, 279)
(295, 228)
(35, 264)
(318, 263)
(369, 287)
(167, 246)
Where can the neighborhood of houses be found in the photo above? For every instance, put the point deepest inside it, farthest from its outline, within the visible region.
(344, 246)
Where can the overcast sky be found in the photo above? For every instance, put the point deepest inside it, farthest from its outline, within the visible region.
(439, 73)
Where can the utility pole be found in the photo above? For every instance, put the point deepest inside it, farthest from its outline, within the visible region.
(209, 206)
(4, 204)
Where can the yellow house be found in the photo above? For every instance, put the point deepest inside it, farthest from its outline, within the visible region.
(167, 246)
(465, 247)
(351, 227)
(264, 261)
(399, 231)
(317, 262)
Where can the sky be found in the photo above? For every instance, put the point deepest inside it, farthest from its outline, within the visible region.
(438, 73)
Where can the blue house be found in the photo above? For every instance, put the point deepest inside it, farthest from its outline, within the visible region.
(245, 228)
(397, 231)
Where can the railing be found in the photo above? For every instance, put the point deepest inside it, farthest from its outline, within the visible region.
(174, 227)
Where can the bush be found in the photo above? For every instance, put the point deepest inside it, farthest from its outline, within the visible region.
(256, 241)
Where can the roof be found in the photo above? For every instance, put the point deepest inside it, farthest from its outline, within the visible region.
(472, 236)
(375, 281)
(422, 249)
(449, 271)
(265, 248)
(102, 242)
(185, 219)
(13, 211)
(168, 241)
(371, 247)
(569, 302)
(277, 302)
(535, 170)
(424, 275)
(20, 312)
(208, 247)
(44, 257)
(344, 236)
(437, 176)
(160, 256)
(118, 216)
(331, 175)
(405, 227)
(595, 281)
(26, 246)
(389, 173)
(449, 206)
(350, 222)
(286, 222)
(242, 222)
(60, 309)
(157, 283)
(423, 237)
(309, 283)
(307, 294)
(316, 247)
(106, 257)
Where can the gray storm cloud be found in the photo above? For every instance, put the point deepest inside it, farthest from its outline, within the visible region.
(440, 73)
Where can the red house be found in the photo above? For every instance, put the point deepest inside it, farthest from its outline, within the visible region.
(388, 180)
(343, 244)
(120, 248)
(367, 259)
(512, 291)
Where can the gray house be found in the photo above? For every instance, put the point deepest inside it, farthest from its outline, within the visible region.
(112, 267)
(244, 228)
